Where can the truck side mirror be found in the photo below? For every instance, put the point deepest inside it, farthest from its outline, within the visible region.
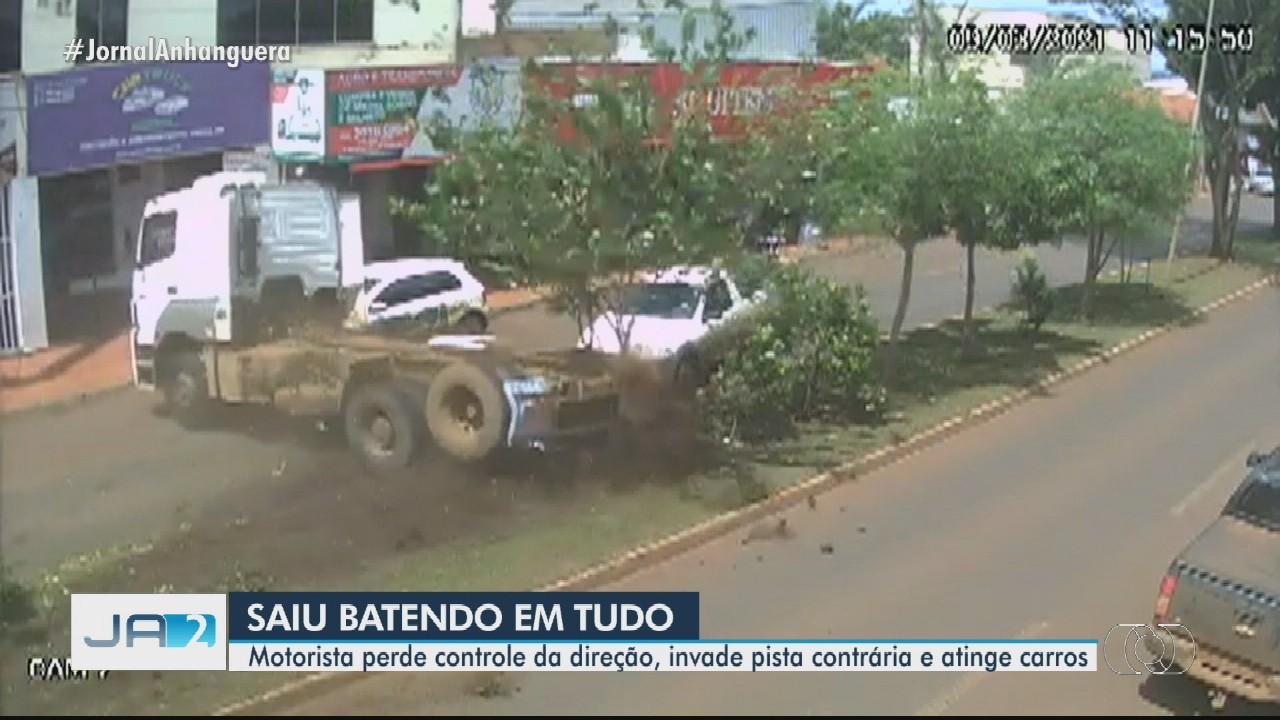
(1254, 459)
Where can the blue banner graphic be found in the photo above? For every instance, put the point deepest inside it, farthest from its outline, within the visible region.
(441, 617)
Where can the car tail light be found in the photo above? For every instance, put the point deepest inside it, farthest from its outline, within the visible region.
(1167, 587)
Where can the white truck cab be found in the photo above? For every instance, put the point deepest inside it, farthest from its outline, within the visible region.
(216, 258)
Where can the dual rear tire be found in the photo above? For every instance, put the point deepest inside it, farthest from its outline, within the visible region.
(385, 422)
(463, 411)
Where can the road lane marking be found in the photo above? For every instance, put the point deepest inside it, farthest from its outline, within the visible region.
(946, 700)
(1233, 469)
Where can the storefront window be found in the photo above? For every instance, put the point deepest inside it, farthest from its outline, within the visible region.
(10, 36)
(83, 297)
(106, 22)
(76, 224)
(294, 22)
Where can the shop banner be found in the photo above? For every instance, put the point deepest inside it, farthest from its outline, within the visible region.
(297, 115)
(99, 116)
(393, 114)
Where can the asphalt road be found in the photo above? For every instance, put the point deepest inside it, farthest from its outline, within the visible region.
(938, 282)
(1055, 520)
(109, 472)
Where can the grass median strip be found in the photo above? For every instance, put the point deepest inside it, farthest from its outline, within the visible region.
(524, 537)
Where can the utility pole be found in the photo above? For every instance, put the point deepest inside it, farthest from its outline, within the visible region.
(922, 38)
(1197, 152)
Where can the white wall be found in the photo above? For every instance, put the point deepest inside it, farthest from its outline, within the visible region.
(24, 223)
(24, 194)
(174, 20)
(45, 33)
(401, 36)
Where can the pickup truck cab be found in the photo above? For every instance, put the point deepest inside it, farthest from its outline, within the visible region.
(1224, 589)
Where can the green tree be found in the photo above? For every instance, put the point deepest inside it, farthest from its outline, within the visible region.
(598, 182)
(1234, 80)
(1109, 162)
(848, 32)
(883, 157)
(989, 204)
(1231, 77)
(1267, 93)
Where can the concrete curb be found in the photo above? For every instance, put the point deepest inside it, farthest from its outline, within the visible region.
(673, 545)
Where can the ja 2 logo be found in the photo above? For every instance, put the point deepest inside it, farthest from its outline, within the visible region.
(170, 630)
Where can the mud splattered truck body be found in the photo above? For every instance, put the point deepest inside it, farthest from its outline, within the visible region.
(238, 295)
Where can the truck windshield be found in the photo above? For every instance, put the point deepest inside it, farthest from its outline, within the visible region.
(1258, 504)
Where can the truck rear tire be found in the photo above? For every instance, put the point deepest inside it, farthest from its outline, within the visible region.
(466, 412)
(186, 390)
(381, 427)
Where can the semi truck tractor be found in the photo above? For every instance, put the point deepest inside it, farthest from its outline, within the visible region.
(238, 296)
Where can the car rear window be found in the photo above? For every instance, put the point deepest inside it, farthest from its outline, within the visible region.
(1258, 503)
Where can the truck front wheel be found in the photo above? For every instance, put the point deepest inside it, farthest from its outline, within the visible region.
(381, 427)
(186, 389)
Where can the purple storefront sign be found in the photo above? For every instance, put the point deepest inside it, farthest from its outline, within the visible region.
(99, 116)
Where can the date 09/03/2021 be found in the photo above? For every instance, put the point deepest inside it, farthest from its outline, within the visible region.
(1025, 39)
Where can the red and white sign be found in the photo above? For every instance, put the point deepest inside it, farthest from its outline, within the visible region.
(744, 91)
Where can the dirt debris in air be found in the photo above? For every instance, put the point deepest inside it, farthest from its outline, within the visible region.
(827, 549)
(778, 530)
(813, 502)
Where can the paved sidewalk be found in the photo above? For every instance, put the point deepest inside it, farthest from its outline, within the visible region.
(64, 373)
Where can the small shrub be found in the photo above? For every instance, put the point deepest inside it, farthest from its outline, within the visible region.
(811, 357)
(755, 271)
(1031, 293)
(17, 603)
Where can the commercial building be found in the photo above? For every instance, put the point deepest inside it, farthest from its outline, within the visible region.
(83, 147)
(377, 131)
(781, 30)
(1002, 71)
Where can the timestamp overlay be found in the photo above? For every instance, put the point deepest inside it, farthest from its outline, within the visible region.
(1027, 39)
(1189, 38)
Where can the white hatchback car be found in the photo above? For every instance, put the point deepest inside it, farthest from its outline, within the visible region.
(437, 292)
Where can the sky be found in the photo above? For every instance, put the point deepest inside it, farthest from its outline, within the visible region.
(1157, 61)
